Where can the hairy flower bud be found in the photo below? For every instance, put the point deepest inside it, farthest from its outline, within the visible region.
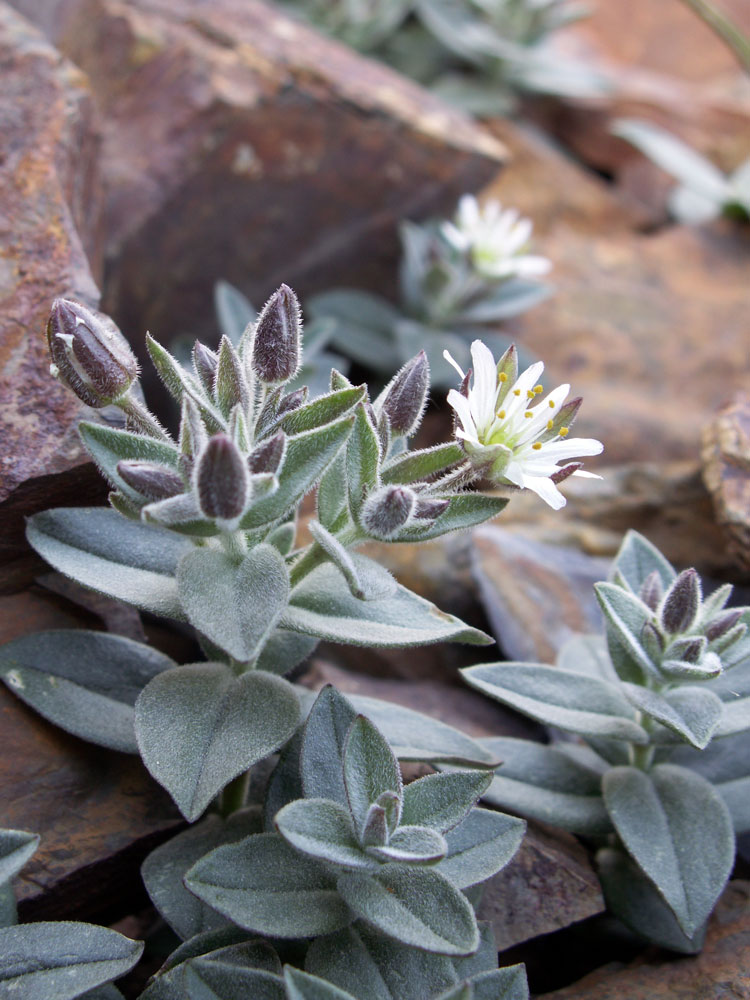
(276, 343)
(151, 479)
(723, 623)
(222, 479)
(651, 591)
(387, 510)
(293, 401)
(405, 396)
(205, 363)
(681, 602)
(89, 354)
(267, 456)
(429, 508)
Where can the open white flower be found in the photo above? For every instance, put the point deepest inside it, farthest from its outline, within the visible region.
(495, 240)
(512, 431)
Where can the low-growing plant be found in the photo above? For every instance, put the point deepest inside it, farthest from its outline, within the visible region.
(458, 280)
(659, 776)
(332, 880)
(704, 192)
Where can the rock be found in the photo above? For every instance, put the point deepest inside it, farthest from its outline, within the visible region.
(48, 219)
(726, 473)
(548, 885)
(287, 156)
(98, 812)
(720, 972)
(536, 596)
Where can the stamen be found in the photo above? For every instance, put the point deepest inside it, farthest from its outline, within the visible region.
(516, 392)
(550, 424)
(530, 393)
(501, 414)
(552, 404)
(528, 414)
(502, 377)
(537, 389)
(563, 431)
(536, 445)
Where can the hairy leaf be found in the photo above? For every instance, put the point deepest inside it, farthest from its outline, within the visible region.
(441, 801)
(323, 830)
(480, 846)
(370, 769)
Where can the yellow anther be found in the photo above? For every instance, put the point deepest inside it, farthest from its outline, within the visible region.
(537, 389)
(563, 431)
(536, 445)
(550, 424)
(551, 404)
(502, 377)
(516, 392)
(528, 414)
(530, 394)
(501, 414)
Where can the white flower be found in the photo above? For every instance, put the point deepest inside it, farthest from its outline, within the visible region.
(513, 435)
(495, 239)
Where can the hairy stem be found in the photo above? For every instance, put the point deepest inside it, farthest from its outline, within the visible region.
(234, 796)
(315, 555)
(142, 418)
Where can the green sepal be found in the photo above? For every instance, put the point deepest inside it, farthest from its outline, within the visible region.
(413, 466)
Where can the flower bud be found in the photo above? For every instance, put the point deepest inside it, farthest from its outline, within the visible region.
(89, 354)
(651, 591)
(150, 479)
(205, 363)
(276, 343)
(405, 397)
(723, 623)
(429, 508)
(267, 456)
(293, 401)
(387, 510)
(222, 480)
(375, 827)
(681, 602)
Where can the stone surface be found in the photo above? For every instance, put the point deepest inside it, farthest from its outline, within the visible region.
(98, 812)
(48, 218)
(240, 144)
(720, 972)
(536, 596)
(726, 472)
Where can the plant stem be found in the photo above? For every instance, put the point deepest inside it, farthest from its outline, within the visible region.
(725, 28)
(234, 795)
(143, 419)
(234, 545)
(314, 555)
(642, 756)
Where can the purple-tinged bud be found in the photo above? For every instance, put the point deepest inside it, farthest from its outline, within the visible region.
(681, 602)
(89, 354)
(387, 510)
(429, 508)
(405, 397)
(230, 385)
(276, 342)
(651, 590)
(205, 363)
(267, 456)
(375, 827)
(565, 472)
(151, 479)
(691, 649)
(222, 480)
(653, 641)
(718, 626)
(293, 401)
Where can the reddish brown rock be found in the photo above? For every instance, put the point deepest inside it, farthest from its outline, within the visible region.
(48, 219)
(726, 472)
(720, 972)
(240, 144)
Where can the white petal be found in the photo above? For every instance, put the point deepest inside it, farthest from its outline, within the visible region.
(586, 475)
(516, 401)
(484, 390)
(530, 266)
(571, 448)
(451, 361)
(519, 236)
(514, 473)
(545, 489)
(461, 405)
(455, 236)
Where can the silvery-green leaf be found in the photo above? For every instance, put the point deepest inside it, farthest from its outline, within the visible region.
(307, 456)
(323, 746)
(484, 958)
(16, 847)
(635, 901)
(363, 326)
(419, 737)
(674, 156)
(236, 605)
(374, 967)
(367, 579)
(200, 725)
(61, 960)
(637, 558)
(678, 830)
(412, 845)
(132, 562)
(284, 650)
(362, 460)
(411, 466)
(370, 769)
(509, 299)
(463, 991)
(332, 500)
(452, 24)
(465, 511)
(626, 617)
(109, 445)
(164, 869)
(282, 538)
(736, 796)
(441, 801)
(725, 764)
(542, 783)
(480, 846)
(223, 937)
(180, 513)
(240, 969)
(562, 698)
(501, 984)
(322, 605)
(264, 885)
(587, 654)
(416, 906)
(323, 830)
(303, 986)
(233, 311)
(85, 682)
(691, 712)
(107, 992)
(323, 410)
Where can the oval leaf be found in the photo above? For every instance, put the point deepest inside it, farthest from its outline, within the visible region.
(480, 846)
(323, 830)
